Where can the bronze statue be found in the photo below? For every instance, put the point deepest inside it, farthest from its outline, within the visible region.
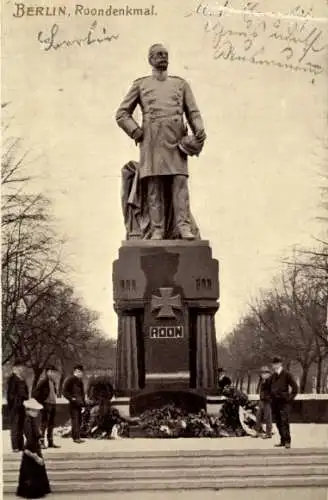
(155, 190)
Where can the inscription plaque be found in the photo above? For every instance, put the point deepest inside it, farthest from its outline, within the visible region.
(166, 332)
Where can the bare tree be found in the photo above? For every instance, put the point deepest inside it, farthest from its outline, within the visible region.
(56, 328)
(42, 319)
(30, 250)
(292, 316)
(287, 320)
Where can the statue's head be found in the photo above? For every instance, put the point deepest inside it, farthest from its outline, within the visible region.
(158, 57)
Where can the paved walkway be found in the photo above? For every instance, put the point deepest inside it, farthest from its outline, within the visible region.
(226, 494)
(303, 436)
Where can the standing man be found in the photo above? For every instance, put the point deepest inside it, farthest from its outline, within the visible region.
(17, 393)
(164, 143)
(74, 392)
(283, 391)
(46, 394)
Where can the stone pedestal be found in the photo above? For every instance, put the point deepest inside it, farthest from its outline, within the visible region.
(166, 295)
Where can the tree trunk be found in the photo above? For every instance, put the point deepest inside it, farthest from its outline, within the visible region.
(61, 384)
(37, 374)
(304, 377)
(249, 381)
(241, 384)
(319, 375)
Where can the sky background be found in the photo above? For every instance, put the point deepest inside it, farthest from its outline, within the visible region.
(255, 188)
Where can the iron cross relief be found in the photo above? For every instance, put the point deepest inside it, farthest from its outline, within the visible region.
(166, 303)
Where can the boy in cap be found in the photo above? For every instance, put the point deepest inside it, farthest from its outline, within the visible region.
(283, 391)
(17, 393)
(264, 413)
(33, 479)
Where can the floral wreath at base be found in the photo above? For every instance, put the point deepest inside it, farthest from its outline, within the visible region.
(101, 421)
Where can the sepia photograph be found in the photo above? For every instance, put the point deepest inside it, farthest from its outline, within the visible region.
(164, 255)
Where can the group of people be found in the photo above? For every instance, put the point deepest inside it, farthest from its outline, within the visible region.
(27, 435)
(45, 394)
(277, 389)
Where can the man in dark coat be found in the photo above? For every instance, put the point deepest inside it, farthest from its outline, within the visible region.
(74, 392)
(46, 394)
(164, 145)
(283, 391)
(17, 393)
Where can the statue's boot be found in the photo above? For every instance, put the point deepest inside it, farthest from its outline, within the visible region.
(157, 234)
(186, 234)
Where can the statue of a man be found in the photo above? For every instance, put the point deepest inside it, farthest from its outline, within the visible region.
(164, 143)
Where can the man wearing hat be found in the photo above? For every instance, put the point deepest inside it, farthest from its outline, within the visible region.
(74, 392)
(17, 393)
(283, 391)
(264, 413)
(46, 394)
(164, 143)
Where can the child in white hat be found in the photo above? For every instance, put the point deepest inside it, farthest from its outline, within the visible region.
(33, 478)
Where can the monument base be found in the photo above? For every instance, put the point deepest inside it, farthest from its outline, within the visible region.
(189, 399)
(166, 295)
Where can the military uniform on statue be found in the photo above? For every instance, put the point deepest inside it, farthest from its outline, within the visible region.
(164, 147)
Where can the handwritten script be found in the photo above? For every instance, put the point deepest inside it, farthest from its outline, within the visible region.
(53, 40)
(292, 42)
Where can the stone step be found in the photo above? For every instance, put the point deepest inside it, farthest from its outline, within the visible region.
(176, 473)
(163, 463)
(183, 484)
(83, 454)
(177, 469)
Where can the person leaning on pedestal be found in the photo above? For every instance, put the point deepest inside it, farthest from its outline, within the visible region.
(283, 391)
(74, 392)
(46, 394)
(17, 393)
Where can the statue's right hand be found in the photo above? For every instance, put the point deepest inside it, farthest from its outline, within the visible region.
(201, 136)
(138, 135)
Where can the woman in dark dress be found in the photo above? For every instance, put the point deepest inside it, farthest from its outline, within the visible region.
(33, 479)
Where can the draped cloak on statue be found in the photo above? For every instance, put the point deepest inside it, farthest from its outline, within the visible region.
(135, 210)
